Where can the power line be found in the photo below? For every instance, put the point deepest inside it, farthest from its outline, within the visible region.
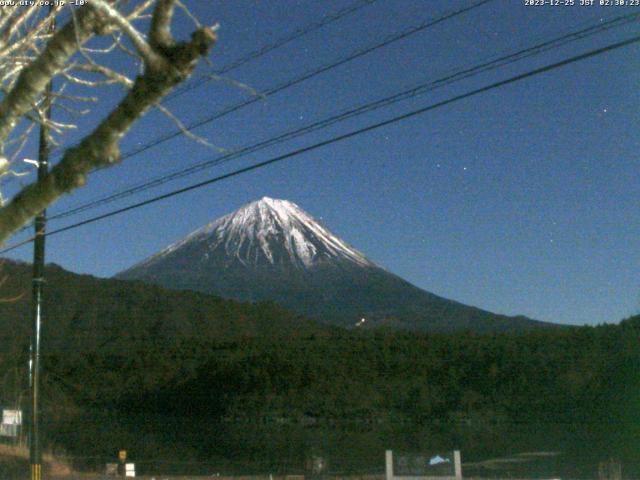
(455, 76)
(307, 75)
(339, 138)
(326, 20)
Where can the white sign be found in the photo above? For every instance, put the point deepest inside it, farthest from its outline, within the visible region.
(130, 470)
(12, 417)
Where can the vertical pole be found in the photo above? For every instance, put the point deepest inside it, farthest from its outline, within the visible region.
(457, 462)
(35, 453)
(389, 464)
(36, 315)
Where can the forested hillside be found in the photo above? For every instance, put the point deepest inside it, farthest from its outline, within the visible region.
(573, 391)
(162, 373)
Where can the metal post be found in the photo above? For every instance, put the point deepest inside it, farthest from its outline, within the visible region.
(457, 461)
(35, 454)
(389, 465)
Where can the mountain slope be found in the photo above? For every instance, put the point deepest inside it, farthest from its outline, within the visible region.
(273, 250)
(90, 313)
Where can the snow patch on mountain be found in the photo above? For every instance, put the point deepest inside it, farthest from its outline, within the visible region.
(272, 231)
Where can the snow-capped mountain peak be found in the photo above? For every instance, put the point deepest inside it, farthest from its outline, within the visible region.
(272, 250)
(268, 231)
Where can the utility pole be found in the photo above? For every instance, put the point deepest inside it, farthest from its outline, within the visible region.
(35, 453)
(36, 307)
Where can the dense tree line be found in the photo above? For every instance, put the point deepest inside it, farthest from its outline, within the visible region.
(572, 375)
(581, 380)
(123, 358)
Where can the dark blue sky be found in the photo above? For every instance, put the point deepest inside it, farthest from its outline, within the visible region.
(523, 200)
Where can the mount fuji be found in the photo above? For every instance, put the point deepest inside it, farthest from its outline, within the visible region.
(272, 250)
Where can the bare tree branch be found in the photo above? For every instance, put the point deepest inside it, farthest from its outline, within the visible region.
(139, 10)
(34, 78)
(106, 72)
(15, 23)
(150, 56)
(101, 147)
(160, 34)
(185, 131)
